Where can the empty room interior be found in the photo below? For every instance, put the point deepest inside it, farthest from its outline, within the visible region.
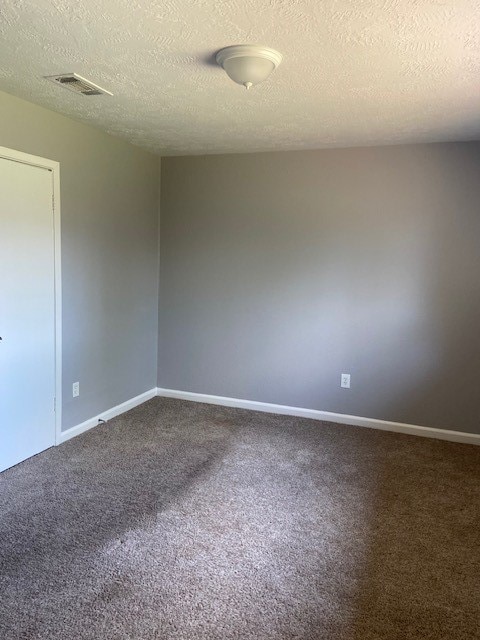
(239, 320)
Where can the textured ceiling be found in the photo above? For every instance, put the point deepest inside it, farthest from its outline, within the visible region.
(355, 72)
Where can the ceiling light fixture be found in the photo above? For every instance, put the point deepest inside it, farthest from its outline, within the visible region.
(248, 64)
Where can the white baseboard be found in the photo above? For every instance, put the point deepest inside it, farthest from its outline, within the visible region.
(106, 415)
(371, 423)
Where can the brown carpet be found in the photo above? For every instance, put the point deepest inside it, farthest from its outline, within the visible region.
(186, 521)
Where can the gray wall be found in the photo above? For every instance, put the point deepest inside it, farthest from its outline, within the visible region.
(281, 271)
(109, 199)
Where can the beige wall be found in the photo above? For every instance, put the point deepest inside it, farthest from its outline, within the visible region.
(280, 271)
(109, 200)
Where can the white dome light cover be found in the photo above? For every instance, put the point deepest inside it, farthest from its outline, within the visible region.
(248, 64)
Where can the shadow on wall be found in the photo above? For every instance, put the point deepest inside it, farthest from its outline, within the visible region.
(274, 290)
(431, 358)
(396, 304)
(446, 395)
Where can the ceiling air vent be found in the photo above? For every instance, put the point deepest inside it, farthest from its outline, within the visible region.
(77, 84)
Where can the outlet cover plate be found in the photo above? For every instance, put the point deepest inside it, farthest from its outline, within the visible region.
(345, 381)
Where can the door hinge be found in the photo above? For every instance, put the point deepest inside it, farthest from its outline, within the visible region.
(53, 201)
(54, 405)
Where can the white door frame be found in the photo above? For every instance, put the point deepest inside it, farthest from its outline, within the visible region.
(54, 167)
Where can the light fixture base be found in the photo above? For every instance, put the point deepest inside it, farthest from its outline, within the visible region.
(248, 64)
(248, 50)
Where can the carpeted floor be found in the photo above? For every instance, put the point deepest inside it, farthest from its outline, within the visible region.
(188, 521)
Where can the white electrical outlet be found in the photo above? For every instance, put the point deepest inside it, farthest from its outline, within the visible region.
(76, 389)
(345, 381)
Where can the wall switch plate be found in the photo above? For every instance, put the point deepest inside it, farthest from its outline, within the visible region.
(345, 381)
(76, 389)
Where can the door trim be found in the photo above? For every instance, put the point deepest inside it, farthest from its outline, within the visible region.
(54, 167)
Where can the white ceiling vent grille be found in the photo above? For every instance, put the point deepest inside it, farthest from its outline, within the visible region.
(77, 84)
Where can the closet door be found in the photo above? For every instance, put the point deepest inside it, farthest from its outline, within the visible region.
(27, 312)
